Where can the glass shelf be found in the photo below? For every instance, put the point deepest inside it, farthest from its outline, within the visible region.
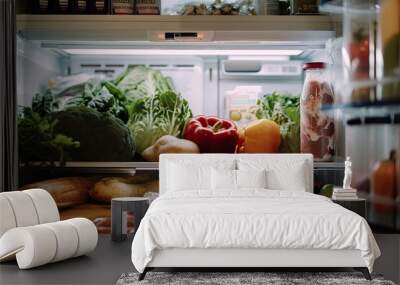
(115, 167)
(356, 8)
(367, 108)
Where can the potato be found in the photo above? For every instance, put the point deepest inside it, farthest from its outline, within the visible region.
(169, 144)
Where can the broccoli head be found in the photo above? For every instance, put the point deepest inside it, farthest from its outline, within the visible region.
(102, 137)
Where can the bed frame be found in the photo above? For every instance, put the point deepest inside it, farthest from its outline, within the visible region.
(242, 259)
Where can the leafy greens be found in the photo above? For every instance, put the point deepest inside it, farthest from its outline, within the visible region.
(165, 113)
(38, 139)
(102, 96)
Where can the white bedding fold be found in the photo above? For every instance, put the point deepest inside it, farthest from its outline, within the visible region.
(250, 219)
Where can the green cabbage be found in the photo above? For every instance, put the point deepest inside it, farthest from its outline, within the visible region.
(141, 81)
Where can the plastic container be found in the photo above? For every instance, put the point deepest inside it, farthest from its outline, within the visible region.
(272, 7)
(317, 128)
(211, 7)
(381, 149)
(396, 126)
(371, 50)
(304, 7)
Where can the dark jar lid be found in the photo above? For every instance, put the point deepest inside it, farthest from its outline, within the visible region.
(378, 120)
(396, 118)
(354, 121)
(314, 65)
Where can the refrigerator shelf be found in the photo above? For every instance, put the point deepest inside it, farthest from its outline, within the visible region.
(128, 167)
(366, 108)
(145, 28)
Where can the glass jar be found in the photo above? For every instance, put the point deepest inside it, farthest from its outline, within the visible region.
(122, 7)
(317, 128)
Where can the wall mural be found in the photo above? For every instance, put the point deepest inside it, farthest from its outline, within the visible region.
(135, 117)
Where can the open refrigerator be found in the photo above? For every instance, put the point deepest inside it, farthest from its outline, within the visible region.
(223, 66)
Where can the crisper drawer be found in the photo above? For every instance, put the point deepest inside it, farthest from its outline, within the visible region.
(85, 189)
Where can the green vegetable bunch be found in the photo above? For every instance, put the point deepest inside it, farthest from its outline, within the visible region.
(44, 103)
(38, 140)
(284, 110)
(141, 81)
(104, 97)
(165, 113)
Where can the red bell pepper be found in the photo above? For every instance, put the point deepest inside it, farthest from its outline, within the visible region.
(212, 134)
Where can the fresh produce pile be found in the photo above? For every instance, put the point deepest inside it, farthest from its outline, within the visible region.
(88, 121)
(284, 110)
(139, 115)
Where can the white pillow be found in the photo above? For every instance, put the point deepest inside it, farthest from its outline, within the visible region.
(223, 179)
(294, 179)
(251, 178)
(188, 175)
(183, 177)
(282, 174)
(226, 179)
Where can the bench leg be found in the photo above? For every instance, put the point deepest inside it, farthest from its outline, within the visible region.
(364, 271)
(142, 275)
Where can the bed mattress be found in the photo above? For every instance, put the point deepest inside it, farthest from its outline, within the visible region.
(253, 219)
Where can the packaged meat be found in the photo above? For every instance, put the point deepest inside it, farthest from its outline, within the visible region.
(317, 128)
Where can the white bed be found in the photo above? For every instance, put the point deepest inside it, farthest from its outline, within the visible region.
(248, 227)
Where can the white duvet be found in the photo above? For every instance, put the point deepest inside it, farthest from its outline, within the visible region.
(250, 219)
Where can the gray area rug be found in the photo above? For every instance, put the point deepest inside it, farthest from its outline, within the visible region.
(243, 278)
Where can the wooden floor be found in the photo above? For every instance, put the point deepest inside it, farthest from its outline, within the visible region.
(103, 266)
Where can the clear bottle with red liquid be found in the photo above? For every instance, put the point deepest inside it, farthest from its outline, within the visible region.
(317, 128)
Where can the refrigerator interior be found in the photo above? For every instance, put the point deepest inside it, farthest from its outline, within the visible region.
(203, 80)
(206, 75)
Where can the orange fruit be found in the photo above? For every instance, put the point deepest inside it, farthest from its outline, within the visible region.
(262, 136)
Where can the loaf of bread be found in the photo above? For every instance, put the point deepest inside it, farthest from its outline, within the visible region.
(113, 187)
(66, 191)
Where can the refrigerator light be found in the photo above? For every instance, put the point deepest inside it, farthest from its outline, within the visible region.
(260, 58)
(243, 52)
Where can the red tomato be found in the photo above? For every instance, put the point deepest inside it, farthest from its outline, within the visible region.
(359, 51)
